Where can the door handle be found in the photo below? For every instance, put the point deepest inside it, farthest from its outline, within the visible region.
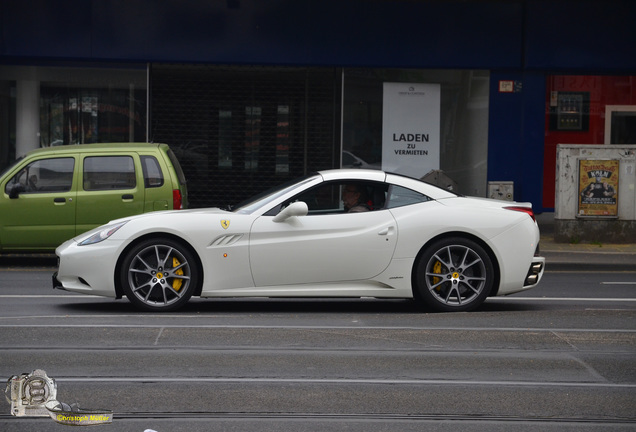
(59, 200)
(386, 231)
(127, 196)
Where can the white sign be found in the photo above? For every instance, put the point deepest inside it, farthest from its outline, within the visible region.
(411, 128)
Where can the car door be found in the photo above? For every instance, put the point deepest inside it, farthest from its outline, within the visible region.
(40, 213)
(111, 187)
(326, 245)
(321, 248)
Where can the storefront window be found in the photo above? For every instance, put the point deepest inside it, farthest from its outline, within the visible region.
(463, 125)
(620, 124)
(50, 106)
(85, 115)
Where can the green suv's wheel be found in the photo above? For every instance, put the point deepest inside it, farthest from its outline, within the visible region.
(159, 275)
(454, 274)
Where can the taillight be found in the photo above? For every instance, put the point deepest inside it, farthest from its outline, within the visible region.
(177, 199)
(526, 210)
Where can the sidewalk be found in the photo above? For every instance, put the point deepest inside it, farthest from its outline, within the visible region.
(583, 256)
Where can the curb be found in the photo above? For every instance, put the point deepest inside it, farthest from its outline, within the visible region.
(28, 260)
(574, 260)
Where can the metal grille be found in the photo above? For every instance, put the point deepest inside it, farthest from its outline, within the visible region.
(240, 130)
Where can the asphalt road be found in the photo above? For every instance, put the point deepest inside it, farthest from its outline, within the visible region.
(559, 357)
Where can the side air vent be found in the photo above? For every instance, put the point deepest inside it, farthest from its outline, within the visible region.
(226, 240)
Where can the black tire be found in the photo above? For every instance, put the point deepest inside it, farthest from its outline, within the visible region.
(159, 275)
(454, 275)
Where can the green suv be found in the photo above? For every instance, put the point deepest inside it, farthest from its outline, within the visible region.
(53, 194)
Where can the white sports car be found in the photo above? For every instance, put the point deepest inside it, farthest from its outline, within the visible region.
(336, 233)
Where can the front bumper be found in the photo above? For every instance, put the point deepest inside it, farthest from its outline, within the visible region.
(56, 282)
(87, 269)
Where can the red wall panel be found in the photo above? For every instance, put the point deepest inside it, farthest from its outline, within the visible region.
(603, 90)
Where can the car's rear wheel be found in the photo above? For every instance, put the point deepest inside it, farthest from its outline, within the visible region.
(454, 274)
(159, 274)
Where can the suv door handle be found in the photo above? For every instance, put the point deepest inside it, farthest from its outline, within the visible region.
(59, 200)
(127, 196)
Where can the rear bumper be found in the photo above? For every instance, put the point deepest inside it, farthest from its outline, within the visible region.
(535, 272)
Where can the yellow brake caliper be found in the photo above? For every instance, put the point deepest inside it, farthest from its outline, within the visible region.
(437, 268)
(177, 282)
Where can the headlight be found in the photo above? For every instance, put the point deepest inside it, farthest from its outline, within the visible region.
(102, 234)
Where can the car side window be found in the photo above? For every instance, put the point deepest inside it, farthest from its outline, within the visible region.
(109, 173)
(328, 198)
(322, 199)
(400, 196)
(44, 176)
(153, 177)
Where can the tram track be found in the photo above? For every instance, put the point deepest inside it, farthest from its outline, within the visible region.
(525, 364)
(369, 422)
(362, 417)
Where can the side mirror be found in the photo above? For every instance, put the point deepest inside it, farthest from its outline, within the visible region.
(16, 190)
(297, 208)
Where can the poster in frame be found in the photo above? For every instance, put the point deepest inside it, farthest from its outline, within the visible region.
(598, 188)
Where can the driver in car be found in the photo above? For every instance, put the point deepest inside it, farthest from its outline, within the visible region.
(354, 198)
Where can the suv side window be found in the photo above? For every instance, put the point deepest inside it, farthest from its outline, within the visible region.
(45, 175)
(153, 177)
(109, 173)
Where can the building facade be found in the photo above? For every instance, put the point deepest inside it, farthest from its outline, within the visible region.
(252, 93)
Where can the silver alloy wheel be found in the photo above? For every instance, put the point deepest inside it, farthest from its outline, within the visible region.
(159, 275)
(456, 275)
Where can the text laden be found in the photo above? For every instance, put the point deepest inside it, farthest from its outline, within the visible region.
(409, 137)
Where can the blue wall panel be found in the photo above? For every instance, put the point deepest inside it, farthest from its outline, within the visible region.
(391, 33)
(532, 137)
(505, 131)
(489, 34)
(581, 34)
(515, 135)
(46, 29)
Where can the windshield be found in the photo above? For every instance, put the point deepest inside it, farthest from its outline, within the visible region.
(265, 198)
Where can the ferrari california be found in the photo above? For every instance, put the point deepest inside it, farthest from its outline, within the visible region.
(335, 233)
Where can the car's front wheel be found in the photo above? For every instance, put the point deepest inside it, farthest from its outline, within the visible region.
(454, 274)
(159, 274)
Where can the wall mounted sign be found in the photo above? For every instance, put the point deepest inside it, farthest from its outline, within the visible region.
(569, 111)
(411, 128)
(598, 188)
(510, 86)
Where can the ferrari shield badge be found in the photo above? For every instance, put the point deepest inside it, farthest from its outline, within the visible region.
(225, 223)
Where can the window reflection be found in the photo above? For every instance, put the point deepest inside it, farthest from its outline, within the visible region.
(85, 115)
(225, 139)
(252, 137)
(282, 140)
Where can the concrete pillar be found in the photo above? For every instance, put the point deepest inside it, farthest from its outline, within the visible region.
(5, 103)
(27, 131)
